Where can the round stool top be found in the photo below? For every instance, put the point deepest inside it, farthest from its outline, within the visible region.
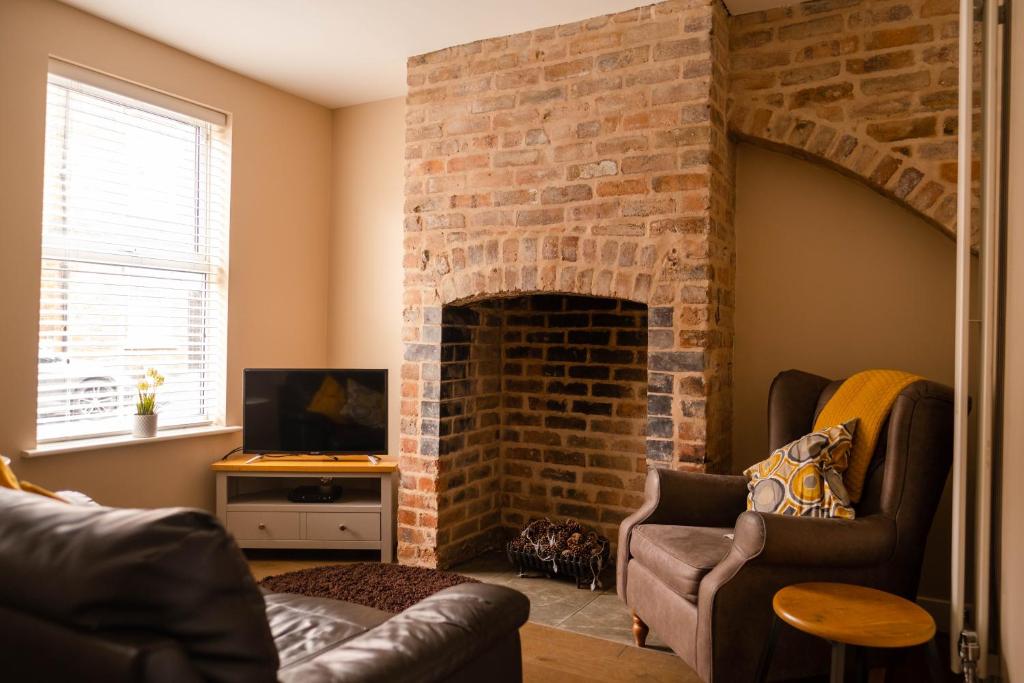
(854, 615)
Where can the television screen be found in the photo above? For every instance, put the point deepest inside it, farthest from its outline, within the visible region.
(334, 412)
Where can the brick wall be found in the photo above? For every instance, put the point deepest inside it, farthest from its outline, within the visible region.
(587, 159)
(868, 86)
(469, 427)
(574, 380)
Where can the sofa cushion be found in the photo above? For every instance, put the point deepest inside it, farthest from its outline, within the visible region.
(680, 555)
(304, 627)
(172, 572)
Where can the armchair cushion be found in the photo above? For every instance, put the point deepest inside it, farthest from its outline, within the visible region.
(680, 555)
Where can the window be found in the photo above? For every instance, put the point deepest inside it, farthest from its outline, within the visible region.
(135, 222)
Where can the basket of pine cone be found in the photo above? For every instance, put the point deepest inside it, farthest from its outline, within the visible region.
(565, 549)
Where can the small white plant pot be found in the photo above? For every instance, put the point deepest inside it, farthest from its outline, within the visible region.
(144, 426)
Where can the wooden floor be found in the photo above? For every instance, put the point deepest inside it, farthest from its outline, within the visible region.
(549, 654)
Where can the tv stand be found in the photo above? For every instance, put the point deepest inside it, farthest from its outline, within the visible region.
(373, 459)
(253, 502)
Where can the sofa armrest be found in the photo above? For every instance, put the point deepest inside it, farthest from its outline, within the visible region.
(814, 541)
(434, 640)
(43, 650)
(686, 499)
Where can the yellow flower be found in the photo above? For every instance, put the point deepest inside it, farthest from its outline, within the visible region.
(143, 385)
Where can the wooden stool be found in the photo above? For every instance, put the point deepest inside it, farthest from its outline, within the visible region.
(845, 614)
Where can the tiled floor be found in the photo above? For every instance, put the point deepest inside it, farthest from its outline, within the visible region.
(559, 603)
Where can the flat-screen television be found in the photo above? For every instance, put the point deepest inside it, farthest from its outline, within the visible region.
(315, 412)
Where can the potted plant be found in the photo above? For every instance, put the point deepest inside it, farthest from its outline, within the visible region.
(145, 406)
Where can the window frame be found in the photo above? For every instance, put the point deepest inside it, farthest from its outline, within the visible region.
(212, 146)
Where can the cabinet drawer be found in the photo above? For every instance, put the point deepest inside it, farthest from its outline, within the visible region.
(251, 526)
(343, 526)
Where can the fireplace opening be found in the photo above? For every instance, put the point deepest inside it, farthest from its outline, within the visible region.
(542, 413)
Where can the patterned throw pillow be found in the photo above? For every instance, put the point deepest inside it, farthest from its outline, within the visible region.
(805, 478)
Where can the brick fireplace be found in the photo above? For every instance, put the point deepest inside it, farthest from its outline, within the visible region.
(568, 274)
(543, 412)
(587, 166)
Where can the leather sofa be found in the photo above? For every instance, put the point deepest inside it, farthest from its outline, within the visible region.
(700, 570)
(102, 594)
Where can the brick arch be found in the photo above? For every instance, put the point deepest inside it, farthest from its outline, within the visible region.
(868, 89)
(921, 191)
(621, 267)
(517, 293)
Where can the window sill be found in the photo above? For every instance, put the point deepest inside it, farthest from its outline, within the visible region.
(104, 442)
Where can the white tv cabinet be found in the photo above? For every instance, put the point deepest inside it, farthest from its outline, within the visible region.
(252, 502)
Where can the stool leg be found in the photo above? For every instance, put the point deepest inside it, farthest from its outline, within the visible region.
(936, 668)
(838, 663)
(767, 651)
(861, 662)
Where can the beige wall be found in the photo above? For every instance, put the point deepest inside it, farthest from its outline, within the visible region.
(365, 284)
(833, 278)
(279, 230)
(1011, 561)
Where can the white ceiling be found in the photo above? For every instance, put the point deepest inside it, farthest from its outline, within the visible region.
(341, 52)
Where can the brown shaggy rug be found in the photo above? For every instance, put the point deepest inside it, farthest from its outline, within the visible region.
(387, 587)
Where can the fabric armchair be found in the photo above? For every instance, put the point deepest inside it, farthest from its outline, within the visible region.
(700, 570)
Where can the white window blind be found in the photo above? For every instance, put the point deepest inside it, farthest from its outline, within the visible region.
(134, 243)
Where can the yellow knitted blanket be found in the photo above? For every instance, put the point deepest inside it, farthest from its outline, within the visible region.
(8, 480)
(867, 396)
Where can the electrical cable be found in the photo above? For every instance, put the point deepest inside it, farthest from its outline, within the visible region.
(230, 453)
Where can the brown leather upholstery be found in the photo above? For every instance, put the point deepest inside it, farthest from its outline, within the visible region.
(174, 573)
(100, 594)
(305, 627)
(466, 632)
(722, 634)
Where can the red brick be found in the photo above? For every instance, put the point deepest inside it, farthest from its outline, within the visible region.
(621, 187)
(682, 182)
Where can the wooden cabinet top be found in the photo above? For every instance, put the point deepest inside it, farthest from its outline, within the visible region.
(305, 463)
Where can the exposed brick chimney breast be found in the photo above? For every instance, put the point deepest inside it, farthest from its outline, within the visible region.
(589, 159)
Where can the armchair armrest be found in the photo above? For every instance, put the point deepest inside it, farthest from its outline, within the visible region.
(815, 541)
(458, 633)
(686, 499)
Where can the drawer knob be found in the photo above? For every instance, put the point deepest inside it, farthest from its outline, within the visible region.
(261, 526)
(341, 527)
